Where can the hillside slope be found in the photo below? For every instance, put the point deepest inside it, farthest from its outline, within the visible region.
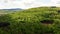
(44, 20)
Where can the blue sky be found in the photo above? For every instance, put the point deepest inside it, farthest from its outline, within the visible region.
(25, 4)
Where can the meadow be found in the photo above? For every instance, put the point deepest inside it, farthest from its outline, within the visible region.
(41, 20)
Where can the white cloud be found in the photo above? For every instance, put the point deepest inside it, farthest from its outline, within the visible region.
(27, 3)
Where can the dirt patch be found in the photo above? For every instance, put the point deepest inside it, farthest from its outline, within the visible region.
(3, 24)
(58, 11)
(47, 21)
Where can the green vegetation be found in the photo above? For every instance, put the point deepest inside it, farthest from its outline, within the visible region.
(29, 21)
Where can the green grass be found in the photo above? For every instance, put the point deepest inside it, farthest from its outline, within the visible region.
(28, 21)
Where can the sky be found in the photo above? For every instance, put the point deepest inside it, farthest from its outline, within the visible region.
(25, 4)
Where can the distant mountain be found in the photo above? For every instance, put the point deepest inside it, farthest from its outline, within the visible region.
(12, 9)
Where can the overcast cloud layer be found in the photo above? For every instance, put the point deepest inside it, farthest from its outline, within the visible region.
(27, 3)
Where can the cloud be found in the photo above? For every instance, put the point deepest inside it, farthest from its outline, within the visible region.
(27, 3)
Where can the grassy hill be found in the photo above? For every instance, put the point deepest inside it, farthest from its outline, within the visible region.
(41, 20)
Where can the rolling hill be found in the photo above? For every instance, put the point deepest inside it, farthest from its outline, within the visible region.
(41, 20)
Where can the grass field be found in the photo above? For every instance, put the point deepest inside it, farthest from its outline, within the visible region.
(41, 20)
